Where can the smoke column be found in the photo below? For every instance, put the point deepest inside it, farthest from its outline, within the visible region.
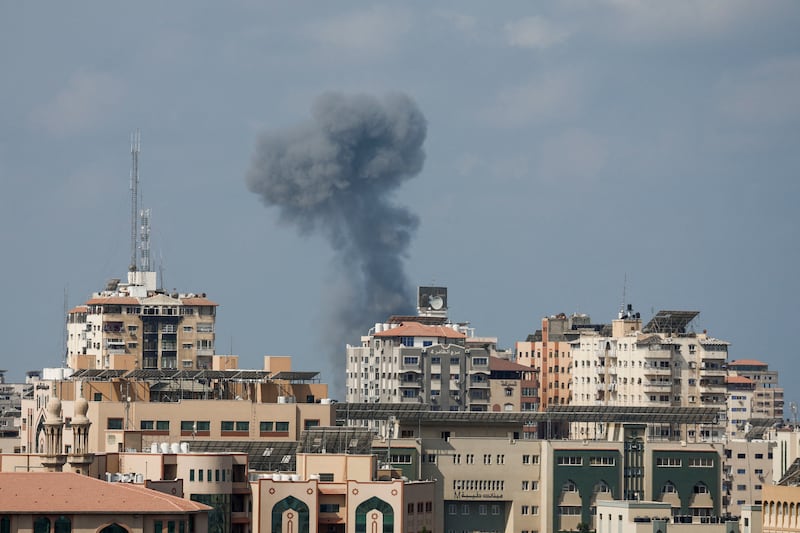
(334, 176)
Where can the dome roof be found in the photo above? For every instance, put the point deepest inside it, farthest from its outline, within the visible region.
(81, 408)
(53, 410)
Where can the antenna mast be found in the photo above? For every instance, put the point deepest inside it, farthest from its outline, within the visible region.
(145, 238)
(135, 142)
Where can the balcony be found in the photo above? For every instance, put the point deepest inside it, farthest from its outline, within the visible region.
(611, 387)
(657, 386)
(603, 370)
(657, 371)
(479, 384)
(657, 354)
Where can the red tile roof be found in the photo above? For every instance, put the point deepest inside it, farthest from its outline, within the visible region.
(415, 329)
(738, 379)
(113, 300)
(504, 365)
(747, 362)
(78, 309)
(65, 492)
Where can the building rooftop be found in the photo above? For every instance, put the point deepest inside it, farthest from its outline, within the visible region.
(746, 362)
(415, 329)
(65, 492)
(499, 364)
(738, 380)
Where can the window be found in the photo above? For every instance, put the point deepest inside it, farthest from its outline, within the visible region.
(114, 423)
(226, 425)
(669, 462)
(410, 360)
(147, 425)
(482, 509)
(265, 427)
(602, 461)
(162, 425)
(669, 488)
(701, 462)
(525, 509)
(480, 361)
(570, 460)
(569, 486)
(282, 427)
(495, 509)
(243, 425)
(191, 474)
(329, 508)
(401, 458)
(326, 476)
(452, 509)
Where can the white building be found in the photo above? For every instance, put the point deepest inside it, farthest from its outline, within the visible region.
(661, 364)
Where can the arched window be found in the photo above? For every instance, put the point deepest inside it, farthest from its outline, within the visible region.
(41, 525)
(290, 502)
(701, 488)
(569, 486)
(113, 528)
(63, 525)
(669, 488)
(601, 486)
(374, 504)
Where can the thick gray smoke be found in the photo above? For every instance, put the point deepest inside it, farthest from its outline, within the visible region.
(335, 176)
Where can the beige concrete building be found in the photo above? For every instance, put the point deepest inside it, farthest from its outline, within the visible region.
(661, 364)
(781, 509)
(139, 408)
(767, 398)
(135, 325)
(747, 470)
(338, 493)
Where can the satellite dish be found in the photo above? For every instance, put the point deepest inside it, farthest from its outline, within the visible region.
(435, 302)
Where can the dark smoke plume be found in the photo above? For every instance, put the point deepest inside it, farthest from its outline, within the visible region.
(335, 176)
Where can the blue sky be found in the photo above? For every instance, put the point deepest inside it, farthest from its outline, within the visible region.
(571, 146)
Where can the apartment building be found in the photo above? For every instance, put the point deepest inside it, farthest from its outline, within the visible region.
(135, 325)
(661, 364)
(747, 469)
(548, 351)
(767, 397)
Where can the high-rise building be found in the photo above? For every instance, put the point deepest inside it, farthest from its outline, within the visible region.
(135, 325)
(548, 350)
(661, 364)
(426, 359)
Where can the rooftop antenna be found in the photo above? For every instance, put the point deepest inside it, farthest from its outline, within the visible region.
(793, 407)
(135, 146)
(144, 245)
(624, 291)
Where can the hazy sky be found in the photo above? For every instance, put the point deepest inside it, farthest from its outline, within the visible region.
(570, 146)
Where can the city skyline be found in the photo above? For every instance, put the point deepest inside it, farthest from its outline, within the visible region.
(574, 154)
